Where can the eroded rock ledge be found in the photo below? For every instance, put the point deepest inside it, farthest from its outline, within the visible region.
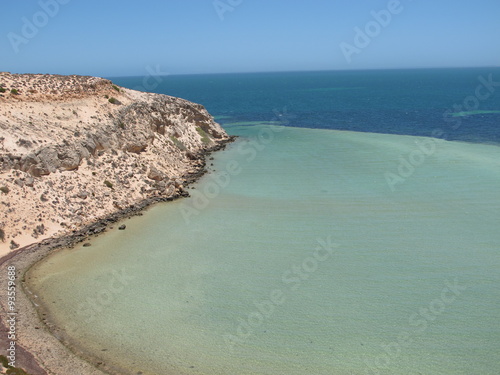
(75, 149)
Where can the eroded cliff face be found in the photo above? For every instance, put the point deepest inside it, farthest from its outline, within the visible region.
(74, 149)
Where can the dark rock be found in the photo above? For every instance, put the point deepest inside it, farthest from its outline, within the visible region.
(69, 158)
(191, 155)
(122, 227)
(155, 174)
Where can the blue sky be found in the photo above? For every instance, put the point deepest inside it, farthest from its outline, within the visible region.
(124, 37)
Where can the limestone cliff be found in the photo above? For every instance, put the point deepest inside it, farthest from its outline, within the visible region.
(74, 149)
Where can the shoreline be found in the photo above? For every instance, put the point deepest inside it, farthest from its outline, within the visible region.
(40, 349)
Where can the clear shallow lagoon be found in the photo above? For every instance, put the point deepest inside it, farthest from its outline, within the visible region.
(238, 283)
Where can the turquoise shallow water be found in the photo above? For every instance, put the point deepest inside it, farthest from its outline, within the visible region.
(318, 251)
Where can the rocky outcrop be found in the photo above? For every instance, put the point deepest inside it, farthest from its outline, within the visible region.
(73, 149)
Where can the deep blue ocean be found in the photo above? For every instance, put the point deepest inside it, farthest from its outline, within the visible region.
(453, 104)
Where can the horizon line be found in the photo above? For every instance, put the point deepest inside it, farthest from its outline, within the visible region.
(273, 71)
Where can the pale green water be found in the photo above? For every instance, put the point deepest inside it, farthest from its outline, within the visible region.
(471, 113)
(187, 289)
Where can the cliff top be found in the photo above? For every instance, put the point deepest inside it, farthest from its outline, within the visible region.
(42, 87)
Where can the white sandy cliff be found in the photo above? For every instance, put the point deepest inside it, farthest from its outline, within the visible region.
(74, 149)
